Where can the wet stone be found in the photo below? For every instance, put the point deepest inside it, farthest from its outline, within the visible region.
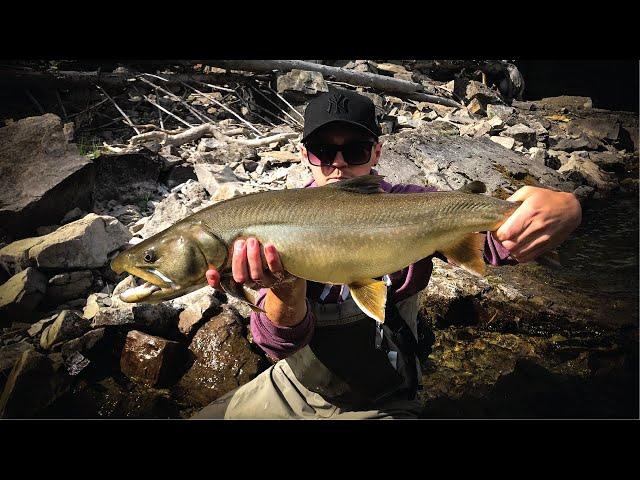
(223, 361)
(150, 360)
(68, 286)
(21, 294)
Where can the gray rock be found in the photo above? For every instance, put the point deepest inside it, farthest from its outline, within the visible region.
(538, 155)
(506, 142)
(72, 215)
(298, 176)
(34, 383)
(600, 128)
(171, 210)
(9, 355)
(448, 161)
(584, 192)
(572, 144)
(470, 89)
(180, 174)
(68, 286)
(565, 101)
(503, 112)
(43, 176)
(212, 176)
(592, 174)
(301, 82)
(198, 312)
(85, 243)
(127, 178)
(21, 294)
(610, 161)
(208, 144)
(521, 133)
(84, 344)
(68, 325)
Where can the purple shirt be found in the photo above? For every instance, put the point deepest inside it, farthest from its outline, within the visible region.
(280, 342)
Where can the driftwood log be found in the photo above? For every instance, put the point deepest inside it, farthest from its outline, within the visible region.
(412, 90)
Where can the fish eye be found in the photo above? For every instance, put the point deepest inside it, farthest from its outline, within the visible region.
(149, 256)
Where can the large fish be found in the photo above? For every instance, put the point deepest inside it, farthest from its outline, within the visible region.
(348, 232)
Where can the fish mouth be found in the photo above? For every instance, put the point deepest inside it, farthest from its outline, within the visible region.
(151, 286)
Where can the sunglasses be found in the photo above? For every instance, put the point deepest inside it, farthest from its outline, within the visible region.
(354, 153)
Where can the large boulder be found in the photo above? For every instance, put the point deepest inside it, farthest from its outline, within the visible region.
(593, 175)
(223, 361)
(126, 177)
(43, 176)
(85, 243)
(296, 84)
(20, 295)
(68, 286)
(449, 161)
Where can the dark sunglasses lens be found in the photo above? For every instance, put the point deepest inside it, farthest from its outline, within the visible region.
(357, 153)
(324, 154)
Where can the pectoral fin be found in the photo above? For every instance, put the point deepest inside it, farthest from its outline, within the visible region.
(468, 253)
(371, 296)
(239, 292)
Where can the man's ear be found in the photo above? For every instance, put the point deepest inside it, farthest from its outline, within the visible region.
(377, 151)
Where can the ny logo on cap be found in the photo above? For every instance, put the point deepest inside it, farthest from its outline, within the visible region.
(338, 103)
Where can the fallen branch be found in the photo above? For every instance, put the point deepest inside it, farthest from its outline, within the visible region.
(363, 79)
(126, 117)
(207, 129)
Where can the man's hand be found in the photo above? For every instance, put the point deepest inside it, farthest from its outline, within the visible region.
(285, 303)
(543, 221)
(247, 266)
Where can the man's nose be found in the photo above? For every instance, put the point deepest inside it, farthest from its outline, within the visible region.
(339, 162)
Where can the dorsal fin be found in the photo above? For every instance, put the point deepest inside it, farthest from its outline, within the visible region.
(364, 184)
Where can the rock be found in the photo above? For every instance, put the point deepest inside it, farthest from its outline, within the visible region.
(85, 243)
(398, 71)
(72, 215)
(522, 133)
(583, 192)
(610, 161)
(208, 144)
(233, 152)
(298, 176)
(46, 229)
(459, 116)
(565, 101)
(231, 189)
(212, 176)
(34, 383)
(21, 294)
(180, 174)
(470, 89)
(167, 213)
(15, 256)
(156, 319)
(298, 83)
(591, 172)
(9, 355)
(68, 325)
(476, 107)
(538, 154)
(68, 286)
(278, 156)
(506, 142)
(150, 360)
(127, 178)
(572, 144)
(37, 327)
(223, 361)
(198, 312)
(503, 112)
(43, 176)
(602, 128)
(447, 161)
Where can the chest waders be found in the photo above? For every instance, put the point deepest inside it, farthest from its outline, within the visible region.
(348, 360)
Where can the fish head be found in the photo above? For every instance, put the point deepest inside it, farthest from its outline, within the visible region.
(172, 263)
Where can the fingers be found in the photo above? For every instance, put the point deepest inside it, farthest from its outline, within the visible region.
(213, 278)
(254, 258)
(273, 259)
(239, 267)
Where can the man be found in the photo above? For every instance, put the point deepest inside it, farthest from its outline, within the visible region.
(332, 361)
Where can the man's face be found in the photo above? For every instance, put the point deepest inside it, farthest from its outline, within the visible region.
(341, 134)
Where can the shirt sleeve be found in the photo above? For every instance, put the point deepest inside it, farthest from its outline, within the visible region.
(280, 342)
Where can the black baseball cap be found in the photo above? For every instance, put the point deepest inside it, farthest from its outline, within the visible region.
(340, 105)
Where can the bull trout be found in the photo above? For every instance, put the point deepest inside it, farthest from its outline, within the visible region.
(349, 232)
